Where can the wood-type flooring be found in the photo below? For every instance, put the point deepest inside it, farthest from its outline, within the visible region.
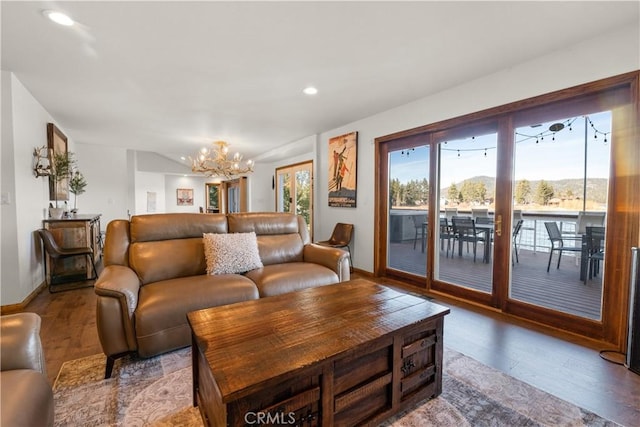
(564, 365)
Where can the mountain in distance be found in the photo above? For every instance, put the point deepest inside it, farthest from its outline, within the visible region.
(596, 187)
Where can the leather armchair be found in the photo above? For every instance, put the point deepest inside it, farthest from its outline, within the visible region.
(25, 393)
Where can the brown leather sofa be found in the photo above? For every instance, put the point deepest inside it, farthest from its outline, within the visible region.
(155, 273)
(26, 398)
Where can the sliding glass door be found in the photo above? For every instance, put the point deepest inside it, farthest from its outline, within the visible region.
(530, 208)
(407, 215)
(561, 183)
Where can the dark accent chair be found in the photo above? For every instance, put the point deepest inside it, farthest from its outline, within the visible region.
(340, 238)
(56, 252)
(557, 242)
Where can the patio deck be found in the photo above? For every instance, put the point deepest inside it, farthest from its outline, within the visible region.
(559, 289)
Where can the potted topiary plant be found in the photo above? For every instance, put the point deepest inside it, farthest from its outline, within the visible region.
(77, 185)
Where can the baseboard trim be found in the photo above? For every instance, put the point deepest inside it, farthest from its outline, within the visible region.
(21, 306)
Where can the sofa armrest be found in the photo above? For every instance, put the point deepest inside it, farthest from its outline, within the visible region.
(117, 289)
(119, 282)
(332, 258)
(21, 347)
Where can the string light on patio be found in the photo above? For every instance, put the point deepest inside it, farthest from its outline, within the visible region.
(596, 131)
(557, 127)
(459, 150)
(552, 130)
(214, 161)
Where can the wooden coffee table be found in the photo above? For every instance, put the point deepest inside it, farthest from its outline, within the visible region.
(348, 354)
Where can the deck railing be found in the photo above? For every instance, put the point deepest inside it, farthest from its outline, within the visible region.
(533, 234)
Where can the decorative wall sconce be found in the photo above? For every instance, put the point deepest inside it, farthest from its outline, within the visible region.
(42, 161)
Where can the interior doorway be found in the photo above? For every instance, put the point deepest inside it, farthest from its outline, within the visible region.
(294, 191)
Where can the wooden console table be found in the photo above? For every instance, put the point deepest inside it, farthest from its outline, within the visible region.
(73, 232)
(348, 354)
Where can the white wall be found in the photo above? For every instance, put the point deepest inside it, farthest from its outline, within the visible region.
(107, 175)
(261, 193)
(24, 127)
(149, 182)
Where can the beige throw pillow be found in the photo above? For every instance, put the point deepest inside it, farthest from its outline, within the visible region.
(231, 253)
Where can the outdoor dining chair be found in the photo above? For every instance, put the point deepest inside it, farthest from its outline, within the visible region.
(484, 220)
(420, 226)
(557, 242)
(595, 250)
(514, 238)
(464, 230)
(446, 233)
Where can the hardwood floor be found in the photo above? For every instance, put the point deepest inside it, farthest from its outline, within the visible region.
(564, 365)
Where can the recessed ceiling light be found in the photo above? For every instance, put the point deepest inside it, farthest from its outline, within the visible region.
(310, 90)
(58, 17)
(183, 158)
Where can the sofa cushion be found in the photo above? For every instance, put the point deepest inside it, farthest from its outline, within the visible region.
(167, 259)
(281, 236)
(231, 253)
(278, 279)
(148, 228)
(161, 315)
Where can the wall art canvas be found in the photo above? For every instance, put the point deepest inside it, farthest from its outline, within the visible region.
(151, 201)
(185, 197)
(342, 170)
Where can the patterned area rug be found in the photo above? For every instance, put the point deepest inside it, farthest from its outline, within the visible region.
(157, 392)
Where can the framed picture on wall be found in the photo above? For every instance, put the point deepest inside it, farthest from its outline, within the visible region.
(57, 144)
(343, 160)
(185, 197)
(151, 201)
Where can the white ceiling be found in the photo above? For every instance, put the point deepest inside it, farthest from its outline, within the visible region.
(169, 77)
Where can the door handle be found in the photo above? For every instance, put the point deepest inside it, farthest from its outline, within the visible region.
(498, 225)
